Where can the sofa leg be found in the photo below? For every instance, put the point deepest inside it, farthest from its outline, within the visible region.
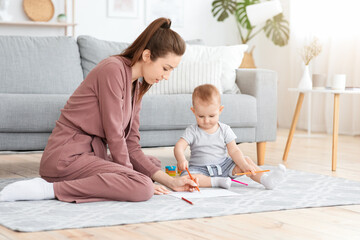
(260, 149)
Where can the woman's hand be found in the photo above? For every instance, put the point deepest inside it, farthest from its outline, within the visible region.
(160, 189)
(184, 183)
(182, 165)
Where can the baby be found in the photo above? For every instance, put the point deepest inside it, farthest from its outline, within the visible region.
(211, 142)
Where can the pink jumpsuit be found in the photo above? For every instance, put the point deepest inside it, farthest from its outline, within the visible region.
(101, 111)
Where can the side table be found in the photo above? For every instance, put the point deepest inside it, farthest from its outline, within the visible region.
(335, 117)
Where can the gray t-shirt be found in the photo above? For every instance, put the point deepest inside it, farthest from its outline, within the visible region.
(208, 149)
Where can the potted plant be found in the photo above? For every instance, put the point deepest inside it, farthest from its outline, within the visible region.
(308, 52)
(275, 28)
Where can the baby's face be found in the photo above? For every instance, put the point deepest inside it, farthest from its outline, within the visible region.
(207, 115)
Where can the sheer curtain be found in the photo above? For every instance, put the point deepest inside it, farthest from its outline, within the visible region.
(337, 26)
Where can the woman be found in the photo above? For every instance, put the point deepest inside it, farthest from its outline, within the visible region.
(104, 109)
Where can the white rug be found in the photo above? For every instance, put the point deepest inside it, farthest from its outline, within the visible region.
(302, 190)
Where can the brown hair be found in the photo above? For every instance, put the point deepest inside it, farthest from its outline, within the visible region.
(207, 93)
(160, 40)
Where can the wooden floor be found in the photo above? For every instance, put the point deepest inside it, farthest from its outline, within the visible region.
(306, 154)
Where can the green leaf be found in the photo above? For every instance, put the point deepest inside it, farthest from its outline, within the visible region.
(277, 30)
(241, 15)
(223, 8)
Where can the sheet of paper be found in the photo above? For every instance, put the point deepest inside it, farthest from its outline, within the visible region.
(204, 193)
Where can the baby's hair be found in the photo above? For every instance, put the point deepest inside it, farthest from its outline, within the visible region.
(207, 93)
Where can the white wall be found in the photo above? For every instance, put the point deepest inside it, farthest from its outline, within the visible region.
(18, 14)
(268, 56)
(91, 17)
(198, 23)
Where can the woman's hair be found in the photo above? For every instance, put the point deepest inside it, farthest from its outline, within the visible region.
(206, 93)
(160, 40)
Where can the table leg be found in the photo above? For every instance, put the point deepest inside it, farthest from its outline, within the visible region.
(335, 130)
(293, 125)
(309, 115)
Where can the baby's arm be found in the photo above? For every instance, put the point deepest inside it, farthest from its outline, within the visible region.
(179, 150)
(239, 158)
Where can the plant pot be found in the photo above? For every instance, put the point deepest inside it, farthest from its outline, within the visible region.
(248, 60)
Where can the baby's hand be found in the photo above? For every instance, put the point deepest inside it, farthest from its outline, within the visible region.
(182, 165)
(245, 167)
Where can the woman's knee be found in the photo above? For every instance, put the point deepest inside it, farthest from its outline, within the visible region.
(143, 190)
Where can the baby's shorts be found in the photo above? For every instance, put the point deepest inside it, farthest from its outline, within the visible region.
(223, 169)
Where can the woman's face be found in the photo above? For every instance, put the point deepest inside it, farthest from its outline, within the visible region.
(155, 71)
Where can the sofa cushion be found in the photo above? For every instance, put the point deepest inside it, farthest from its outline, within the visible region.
(93, 50)
(23, 141)
(33, 112)
(176, 113)
(39, 112)
(39, 65)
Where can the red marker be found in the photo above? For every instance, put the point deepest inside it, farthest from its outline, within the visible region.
(187, 200)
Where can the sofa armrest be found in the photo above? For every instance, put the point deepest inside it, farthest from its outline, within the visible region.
(261, 84)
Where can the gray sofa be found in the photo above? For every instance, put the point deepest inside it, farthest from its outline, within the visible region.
(38, 74)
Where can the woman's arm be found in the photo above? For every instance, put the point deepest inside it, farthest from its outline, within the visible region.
(110, 96)
(138, 159)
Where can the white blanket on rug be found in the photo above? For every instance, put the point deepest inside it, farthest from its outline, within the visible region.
(301, 190)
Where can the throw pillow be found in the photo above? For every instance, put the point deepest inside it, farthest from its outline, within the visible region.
(188, 75)
(229, 56)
